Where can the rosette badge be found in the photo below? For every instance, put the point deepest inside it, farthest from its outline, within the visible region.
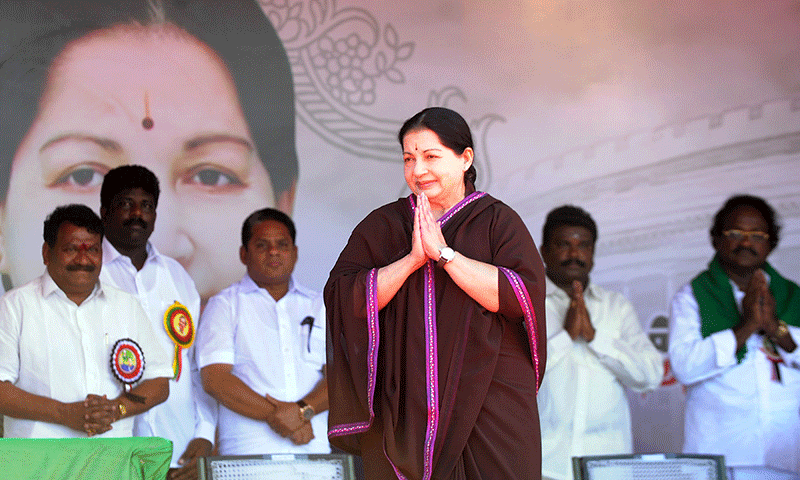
(180, 328)
(127, 364)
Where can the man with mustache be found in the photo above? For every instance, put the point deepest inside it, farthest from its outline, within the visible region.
(261, 349)
(595, 347)
(128, 200)
(734, 331)
(60, 335)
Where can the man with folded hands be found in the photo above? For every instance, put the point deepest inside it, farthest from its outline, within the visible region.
(72, 347)
(734, 331)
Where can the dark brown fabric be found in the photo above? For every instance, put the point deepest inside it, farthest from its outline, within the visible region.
(488, 426)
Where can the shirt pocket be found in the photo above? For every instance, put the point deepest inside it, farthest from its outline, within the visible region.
(313, 346)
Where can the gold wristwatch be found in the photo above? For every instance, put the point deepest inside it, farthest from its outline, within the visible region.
(306, 410)
(782, 330)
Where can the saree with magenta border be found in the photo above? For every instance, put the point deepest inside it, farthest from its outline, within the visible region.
(434, 386)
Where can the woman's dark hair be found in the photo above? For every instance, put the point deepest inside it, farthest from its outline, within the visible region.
(34, 33)
(758, 203)
(451, 128)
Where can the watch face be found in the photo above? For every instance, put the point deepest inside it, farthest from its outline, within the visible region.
(307, 412)
(445, 255)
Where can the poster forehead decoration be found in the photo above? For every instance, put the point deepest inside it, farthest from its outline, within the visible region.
(147, 121)
(127, 364)
(181, 330)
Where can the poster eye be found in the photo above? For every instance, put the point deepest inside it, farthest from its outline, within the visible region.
(81, 177)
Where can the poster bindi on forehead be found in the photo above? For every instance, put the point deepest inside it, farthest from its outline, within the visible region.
(127, 364)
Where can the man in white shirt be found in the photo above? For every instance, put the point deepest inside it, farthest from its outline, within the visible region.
(734, 331)
(595, 347)
(261, 348)
(72, 347)
(128, 201)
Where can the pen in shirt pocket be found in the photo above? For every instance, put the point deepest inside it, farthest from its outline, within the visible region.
(309, 320)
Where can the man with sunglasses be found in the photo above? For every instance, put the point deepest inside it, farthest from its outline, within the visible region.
(734, 331)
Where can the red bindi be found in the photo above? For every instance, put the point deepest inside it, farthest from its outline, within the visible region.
(147, 121)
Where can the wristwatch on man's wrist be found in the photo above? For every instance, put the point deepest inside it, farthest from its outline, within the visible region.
(782, 330)
(446, 255)
(306, 410)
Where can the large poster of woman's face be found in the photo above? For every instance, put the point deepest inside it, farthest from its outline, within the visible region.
(202, 99)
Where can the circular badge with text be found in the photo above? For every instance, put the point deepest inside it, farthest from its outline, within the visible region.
(179, 325)
(127, 361)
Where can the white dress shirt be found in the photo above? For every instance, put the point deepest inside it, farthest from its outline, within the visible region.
(50, 346)
(189, 412)
(583, 409)
(736, 410)
(272, 352)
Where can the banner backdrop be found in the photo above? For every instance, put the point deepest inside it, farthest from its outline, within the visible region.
(647, 114)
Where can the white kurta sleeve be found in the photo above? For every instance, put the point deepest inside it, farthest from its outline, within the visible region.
(10, 326)
(792, 359)
(216, 332)
(627, 352)
(692, 357)
(204, 404)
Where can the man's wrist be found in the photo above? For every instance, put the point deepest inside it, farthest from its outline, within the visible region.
(65, 413)
(747, 326)
(589, 333)
(269, 413)
(122, 411)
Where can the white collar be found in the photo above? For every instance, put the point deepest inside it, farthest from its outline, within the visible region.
(111, 254)
(49, 287)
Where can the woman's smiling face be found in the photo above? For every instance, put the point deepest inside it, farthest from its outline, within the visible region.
(433, 169)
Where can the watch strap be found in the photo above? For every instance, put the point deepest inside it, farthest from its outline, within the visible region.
(446, 255)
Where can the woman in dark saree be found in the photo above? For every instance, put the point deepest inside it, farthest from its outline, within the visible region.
(436, 341)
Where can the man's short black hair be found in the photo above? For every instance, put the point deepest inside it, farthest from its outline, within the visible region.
(125, 178)
(766, 211)
(569, 215)
(266, 214)
(76, 214)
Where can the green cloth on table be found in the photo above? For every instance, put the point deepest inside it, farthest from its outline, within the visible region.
(85, 458)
